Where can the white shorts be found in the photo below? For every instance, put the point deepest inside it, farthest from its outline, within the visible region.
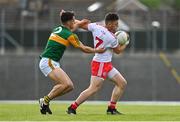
(46, 65)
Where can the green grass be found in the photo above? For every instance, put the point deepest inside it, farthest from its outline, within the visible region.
(30, 112)
(177, 4)
(153, 4)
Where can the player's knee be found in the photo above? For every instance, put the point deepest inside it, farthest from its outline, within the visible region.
(95, 89)
(122, 84)
(69, 86)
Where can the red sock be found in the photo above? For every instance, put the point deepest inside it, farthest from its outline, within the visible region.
(112, 105)
(74, 105)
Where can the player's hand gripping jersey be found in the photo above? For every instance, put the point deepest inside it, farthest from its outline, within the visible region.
(103, 39)
(101, 65)
(60, 38)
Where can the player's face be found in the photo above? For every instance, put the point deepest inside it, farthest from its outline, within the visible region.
(112, 26)
(71, 23)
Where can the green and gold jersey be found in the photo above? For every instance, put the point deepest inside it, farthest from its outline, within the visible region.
(60, 38)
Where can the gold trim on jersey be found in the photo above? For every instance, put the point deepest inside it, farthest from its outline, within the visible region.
(59, 39)
(50, 64)
(73, 39)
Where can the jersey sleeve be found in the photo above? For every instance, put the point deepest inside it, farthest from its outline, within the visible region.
(114, 43)
(92, 26)
(74, 40)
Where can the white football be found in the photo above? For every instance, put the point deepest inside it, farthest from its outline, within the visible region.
(122, 37)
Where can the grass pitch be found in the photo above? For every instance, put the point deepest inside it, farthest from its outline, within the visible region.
(89, 112)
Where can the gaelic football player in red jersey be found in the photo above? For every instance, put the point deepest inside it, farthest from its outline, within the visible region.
(101, 66)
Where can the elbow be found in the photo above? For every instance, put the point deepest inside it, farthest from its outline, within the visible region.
(118, 51)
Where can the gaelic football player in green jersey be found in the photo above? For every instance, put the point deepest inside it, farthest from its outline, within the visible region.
(60, 38)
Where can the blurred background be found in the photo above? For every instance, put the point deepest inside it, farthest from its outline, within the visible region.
(150, 64)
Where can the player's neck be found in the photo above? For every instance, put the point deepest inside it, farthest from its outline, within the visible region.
(106, 27)
(109, 29)
(66, 26)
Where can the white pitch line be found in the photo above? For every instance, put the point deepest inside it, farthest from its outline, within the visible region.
(87, 121)
(170, 103)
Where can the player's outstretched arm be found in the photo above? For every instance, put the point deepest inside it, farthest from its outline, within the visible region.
(74, 40)
(88, 49)
(80, 24)
(84, 24)
(119, 49)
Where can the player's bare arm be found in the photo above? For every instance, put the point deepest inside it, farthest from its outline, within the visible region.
(80, 23)
(78, 44)
(119, 49)
(84, 24)
(88, 49)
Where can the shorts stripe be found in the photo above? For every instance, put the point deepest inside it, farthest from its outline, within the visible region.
(50, 64)
(100, 69)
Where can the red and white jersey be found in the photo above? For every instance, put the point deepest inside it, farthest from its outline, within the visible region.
(103, 39)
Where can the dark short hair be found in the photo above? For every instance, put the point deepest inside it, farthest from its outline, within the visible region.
(66, 16)
(111, 17)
